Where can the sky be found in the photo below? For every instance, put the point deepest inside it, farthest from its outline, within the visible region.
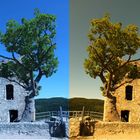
(81, 12)
(58, 84)
(73, 23)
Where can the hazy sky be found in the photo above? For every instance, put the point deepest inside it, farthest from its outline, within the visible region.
(58, 84)
(81, 12)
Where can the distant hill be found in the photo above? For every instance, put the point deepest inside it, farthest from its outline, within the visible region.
(89, 104)
(53, 104)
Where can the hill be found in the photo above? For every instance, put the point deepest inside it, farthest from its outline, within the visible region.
(89, 104)
(53, 104)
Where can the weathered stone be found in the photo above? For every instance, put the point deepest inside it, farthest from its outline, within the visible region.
(24, 128)
(116, 128)
(74, 127)
(127, 105)
(16, 103)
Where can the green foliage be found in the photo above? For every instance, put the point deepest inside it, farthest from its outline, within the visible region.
(110, 52)
(31, 44)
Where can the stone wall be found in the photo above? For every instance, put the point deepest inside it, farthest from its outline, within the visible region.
(17, 103)
(79, 127)
(116, 128)
(104, 128)
(122, 104)
(74, 127)
(132, 105)
(27, 129)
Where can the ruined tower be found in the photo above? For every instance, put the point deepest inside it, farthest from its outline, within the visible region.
(127, 101)
(12, 101)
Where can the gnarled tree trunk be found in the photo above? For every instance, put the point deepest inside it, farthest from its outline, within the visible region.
(110, 111)
(29, 111)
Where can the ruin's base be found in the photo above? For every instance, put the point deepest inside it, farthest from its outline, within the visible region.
(114, 128)
(24, 129)
(107, 131)
(74, 127)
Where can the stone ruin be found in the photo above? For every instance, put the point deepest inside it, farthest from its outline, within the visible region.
(127, 102)
(128, 109)
(12, 101)
(12, 106)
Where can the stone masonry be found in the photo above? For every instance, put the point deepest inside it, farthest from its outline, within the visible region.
(128, 101)
(129, 106)
(12, 101)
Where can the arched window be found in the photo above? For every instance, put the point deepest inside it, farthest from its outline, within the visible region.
(128, 92)
(9, 92)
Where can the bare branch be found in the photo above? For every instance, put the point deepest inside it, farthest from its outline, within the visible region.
(128, 60)
(18, 62)
(102, 77)
(129, 81)
(135, 60)
(5, 57)
(14, 58)
(15, 81)
(37, 79)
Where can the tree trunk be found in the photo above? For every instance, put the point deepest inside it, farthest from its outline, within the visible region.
(110, 111)
(29, 111)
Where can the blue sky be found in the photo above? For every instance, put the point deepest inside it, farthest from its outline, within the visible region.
(81, 13)
(58, 84)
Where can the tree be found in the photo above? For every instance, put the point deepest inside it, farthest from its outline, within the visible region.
(31, 45)
(110, 57)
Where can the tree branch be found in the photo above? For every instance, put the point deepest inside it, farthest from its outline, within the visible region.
(15, 81)
(17, 61)
(14, 58)
(124, 83)
(135, 60)
(128, 60)
(5, 57)
(102, 76)
(38, 78)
